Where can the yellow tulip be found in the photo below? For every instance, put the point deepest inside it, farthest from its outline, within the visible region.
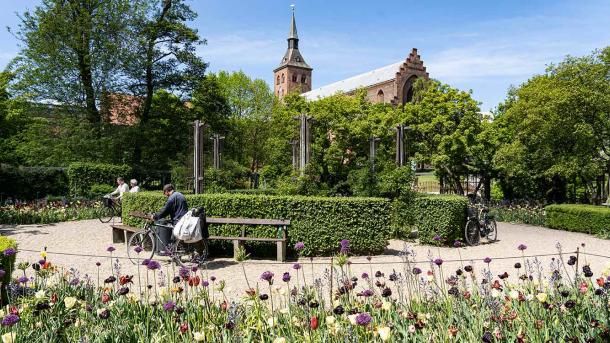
(542, 297)
(384, 333)
(69, 301)
(198, 336)
(8, 337)
(279, 340)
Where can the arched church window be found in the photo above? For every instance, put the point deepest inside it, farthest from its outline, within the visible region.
(283, 79)
(407, 90)
(380, 96)
(303, 78)
(294, 77)
(278, 80)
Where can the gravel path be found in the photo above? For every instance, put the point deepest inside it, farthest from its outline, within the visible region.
(92, 237)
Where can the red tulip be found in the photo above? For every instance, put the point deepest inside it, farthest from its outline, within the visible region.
(194, 281)
(184, 327)
(313, 323)
(105, 298)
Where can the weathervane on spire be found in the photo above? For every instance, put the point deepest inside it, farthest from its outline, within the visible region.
(292, 6)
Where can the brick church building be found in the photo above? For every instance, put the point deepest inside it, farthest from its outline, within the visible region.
(390, 84)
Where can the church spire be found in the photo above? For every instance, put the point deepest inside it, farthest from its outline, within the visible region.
(293, 27)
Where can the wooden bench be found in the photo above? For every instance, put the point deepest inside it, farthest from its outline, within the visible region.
(122, 233)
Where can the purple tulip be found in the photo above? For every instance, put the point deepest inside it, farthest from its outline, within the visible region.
(184, 273)
(9, 252)
(367, 293)
(286, 277)
(299, 246)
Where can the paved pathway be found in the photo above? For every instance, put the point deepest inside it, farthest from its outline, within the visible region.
(92, 238)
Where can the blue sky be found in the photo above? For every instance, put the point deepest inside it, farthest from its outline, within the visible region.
(484, 46)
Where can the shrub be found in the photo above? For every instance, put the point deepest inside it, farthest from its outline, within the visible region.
(51, 212)
(318, 222)
(32, 182)
(580, 218)
(431, 215)
(100, 189)
(519, 214)
(7, 264)
(83, 175)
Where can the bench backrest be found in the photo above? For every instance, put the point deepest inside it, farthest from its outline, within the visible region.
(236, 221)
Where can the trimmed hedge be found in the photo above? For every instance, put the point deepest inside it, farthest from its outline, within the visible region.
(29, 183)
(580, 218)
(7, 263)
(83, 175)
(321, 223)
(431, 215)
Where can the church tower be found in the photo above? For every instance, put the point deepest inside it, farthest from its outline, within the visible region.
(293, 73)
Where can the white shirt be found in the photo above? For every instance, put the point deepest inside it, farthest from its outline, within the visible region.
(134, 189)
(120, 190)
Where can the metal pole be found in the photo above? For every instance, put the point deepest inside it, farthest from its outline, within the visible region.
(197, 153)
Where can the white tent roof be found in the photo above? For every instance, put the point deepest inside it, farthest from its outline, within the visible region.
(363, 80)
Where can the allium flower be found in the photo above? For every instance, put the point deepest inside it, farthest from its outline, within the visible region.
(9, 252)
(296, 266)
(522, 247)
(145, 262)
(138, 249)
(98, 264)
(153, 265)
(367, 293)
(263, 296)
(205, 283)
(176, 279)
(386, 292)
(286, 277)
(487, 260)
(184, 273)
(10, 319)
(365, 276)
(213, 278)
(267, 276)
(416, 271)
(437, 238)
(110, 249)
(299, 246)
(344, 246)
(363, 319)
(457, 243)
(169, 306)
(517, 265)
(438, 261)
(23, 279)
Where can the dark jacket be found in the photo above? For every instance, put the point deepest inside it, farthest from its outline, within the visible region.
(175, 207)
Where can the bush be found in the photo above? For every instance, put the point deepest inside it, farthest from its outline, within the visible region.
(580, 218)
(29, 183)
(431, 215)
(82, 176)
(7, 264)
(321, 223)
(100, 189)
(533, 215)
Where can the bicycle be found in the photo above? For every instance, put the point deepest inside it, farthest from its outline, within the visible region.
(480, 225)
(109, 209)
(144, 244)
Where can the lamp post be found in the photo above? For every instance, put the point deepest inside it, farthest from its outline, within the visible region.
(198, 156)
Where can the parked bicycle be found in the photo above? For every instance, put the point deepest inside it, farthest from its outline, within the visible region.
(153, 239)
(109, 209)
(480, 224)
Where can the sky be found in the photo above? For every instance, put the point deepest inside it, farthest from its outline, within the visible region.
(483, 46)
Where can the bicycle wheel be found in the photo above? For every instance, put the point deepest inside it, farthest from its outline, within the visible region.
(187, 255)
(142, 240)
(492, 230)
(105, 213)
(471, 233)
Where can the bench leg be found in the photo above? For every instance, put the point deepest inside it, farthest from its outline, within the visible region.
(281, 251)
(128, 235)
(237, 244)
(118, 236)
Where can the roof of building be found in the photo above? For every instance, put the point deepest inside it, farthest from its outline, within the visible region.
(293, 56)
(370, 78)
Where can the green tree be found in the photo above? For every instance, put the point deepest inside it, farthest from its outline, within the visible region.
(71, 51)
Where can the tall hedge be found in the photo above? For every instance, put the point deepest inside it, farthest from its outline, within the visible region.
(83, 175)
(580, 218)
(27, 183)
(7, 264)
(321, 223)
(431, 215)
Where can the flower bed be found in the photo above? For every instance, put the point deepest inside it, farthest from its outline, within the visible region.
(411, 304)
(531, 215)
(52, 212)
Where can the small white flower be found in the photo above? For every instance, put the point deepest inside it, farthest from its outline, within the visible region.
(39, 295)
(198, 336)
